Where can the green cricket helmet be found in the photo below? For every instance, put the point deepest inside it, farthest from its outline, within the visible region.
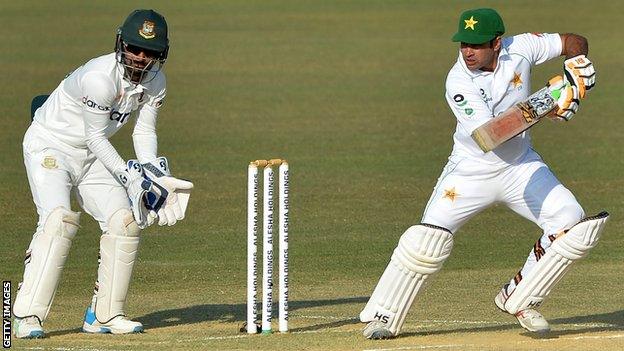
(142, 44)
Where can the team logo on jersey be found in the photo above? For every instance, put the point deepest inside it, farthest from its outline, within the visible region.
(49, 162)
(147, 30)
(450, 194)
(517, 80)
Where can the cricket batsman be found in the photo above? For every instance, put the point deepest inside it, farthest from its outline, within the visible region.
(492, 73)
(66, 148)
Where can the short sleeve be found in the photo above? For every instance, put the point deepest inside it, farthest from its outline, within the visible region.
(537, 47)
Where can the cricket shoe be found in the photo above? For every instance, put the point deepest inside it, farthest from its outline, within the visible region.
(377, 330)
(28, 328)
(117, 325)
(529, 319)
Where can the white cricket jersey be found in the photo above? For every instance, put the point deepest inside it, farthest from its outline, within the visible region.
(477, 96)
(95, 101)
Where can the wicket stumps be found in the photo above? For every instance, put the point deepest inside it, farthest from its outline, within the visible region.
(267, 244)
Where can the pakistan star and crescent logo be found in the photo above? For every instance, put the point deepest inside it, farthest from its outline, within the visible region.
(470, 23)
(516, 80)
(450, 194)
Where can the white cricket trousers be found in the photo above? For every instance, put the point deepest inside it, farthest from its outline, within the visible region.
(55, 169)
(529, 188)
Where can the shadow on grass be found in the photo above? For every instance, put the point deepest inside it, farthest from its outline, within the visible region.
(229, 314)
(62, 332)
(612, 321)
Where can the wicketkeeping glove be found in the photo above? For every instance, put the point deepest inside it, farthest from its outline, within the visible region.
(579, 72)
(137, 186)
(176, 192)
(567, 98)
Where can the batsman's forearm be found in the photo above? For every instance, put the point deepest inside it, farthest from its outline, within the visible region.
(574, 45)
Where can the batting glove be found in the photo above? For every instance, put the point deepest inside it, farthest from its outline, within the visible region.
(579, 72)
(174, 191)
(567, 98)
(137, 186)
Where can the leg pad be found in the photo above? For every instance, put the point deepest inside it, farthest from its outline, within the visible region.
(568, 248)
(44, 263)
(420, 253)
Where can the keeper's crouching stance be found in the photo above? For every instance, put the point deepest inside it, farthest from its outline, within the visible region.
(492, 73)
(66, 149)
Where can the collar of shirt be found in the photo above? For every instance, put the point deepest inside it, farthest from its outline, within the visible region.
(470, 73)
(131, 88)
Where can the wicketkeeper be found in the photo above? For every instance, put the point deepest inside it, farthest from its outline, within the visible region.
(66, 148)
(492, 73)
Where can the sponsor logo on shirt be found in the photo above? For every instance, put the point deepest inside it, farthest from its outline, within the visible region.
(461, 102)
(484, 95)
(120, 117)
(92, 104)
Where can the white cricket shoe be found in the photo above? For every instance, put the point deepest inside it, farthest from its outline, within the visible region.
(117, 325)
(28, 328)
(529, 319)
(377, 330)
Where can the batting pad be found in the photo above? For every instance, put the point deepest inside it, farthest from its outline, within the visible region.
(118, 251)
(420, 253)
(44, 263)
(565, 250)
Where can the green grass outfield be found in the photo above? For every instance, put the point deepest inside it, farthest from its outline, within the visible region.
(352, 94)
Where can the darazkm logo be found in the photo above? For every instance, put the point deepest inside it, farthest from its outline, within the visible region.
(147, 30)
(120, 117)
(92, 104)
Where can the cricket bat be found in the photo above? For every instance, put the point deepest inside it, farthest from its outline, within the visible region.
(516, 119)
